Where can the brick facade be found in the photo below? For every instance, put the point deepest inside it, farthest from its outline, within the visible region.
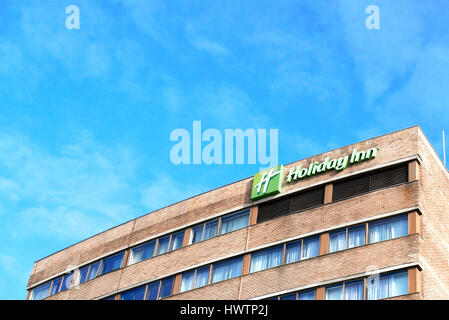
(425, 251)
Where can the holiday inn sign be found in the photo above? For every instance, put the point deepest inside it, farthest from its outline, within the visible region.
(269, 182)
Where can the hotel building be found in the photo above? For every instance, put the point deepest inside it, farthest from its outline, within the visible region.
(375, 228)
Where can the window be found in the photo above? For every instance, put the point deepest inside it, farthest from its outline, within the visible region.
(166, 288)
(133, 294)
(349, 290)
(291, 296)
(300, 295)
(306, 295)
(268, 258)
(334, 292)
(52, 287)
(346, 238)
(197, 233)
(388, 229)
(356, 236)
(311, 247)
(293, 252)
(42, 291)
(234, 222)
(176, 241)
(387, 285)
(187, 281)
(111, 263)
(202, 277)
(227, 269)
(142, 252)
(55, 286)
(67, 282)
(162, 246)
(353, 290)
(100, 267)
(195, 279)
(153, 291)
(337, 240)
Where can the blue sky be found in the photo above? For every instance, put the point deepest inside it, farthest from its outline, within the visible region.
(86, 114)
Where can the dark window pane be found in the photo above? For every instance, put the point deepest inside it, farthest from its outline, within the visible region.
(42, 291)
(55, 286)
(176, 241)
(166, 288)
(93, 270)
(197, 233)
(83, 274)
(153, 290)
(67, 282)
(234, 222)
(288, 297)
(133, 294)
(162, 246)
(210, 229)
(112, 263)
(143, 251)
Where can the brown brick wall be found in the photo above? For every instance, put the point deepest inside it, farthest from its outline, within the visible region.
(398, 145)
(434, 200)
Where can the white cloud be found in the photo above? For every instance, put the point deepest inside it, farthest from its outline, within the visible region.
(201, 43)
(80, 189)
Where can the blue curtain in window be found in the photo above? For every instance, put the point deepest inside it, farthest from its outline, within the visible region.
(388, 229)
(310, 247)
(197, 233)
(55, 286)
(377, 287)
(187, 281)
(219, 271)
(354, 290)
(166, 288)
(93, 270)
(42, 291)
(275, 257)
(259, 261)
(293, 252)
(235, 267)
(112, 263)
(152, 291)
(398, 284)
(143, 252)
(337, 241)
(334, 292)
(234, 222)
(162, 246)
(202, 277)
(176, 241)
(133, 294)
(356, 236)
(307, 295)
(210, 230)
(399, 227)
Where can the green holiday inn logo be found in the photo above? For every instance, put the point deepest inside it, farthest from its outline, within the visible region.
(269, 182)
